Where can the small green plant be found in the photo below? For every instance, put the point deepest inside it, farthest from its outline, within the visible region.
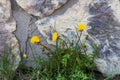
(6, 64)
(68, 61)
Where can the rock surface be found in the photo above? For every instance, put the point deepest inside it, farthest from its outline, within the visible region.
(5, 10)
(103, 19)
(41, 8)
(65, 24)
(26, 28)
(7, 27)
(105, 28)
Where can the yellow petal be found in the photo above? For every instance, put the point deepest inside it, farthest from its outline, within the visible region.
(81, 27)
(35, 39)
(54, 36)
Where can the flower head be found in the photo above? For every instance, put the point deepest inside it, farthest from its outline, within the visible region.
(81, 27)
(35, 39)
(54, 36)
(24, 55)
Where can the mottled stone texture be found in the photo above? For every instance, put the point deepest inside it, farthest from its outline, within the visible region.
(65, 24)
(105, 28)
(40, 8)
(7, 27)
(5, 10)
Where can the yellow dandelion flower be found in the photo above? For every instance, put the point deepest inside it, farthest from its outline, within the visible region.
(35, 39)
(24, 55)
(54, 36)
(81, 27)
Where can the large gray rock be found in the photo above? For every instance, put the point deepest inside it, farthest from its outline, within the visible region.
(40, 8)
(65, 24)
(26, 28)
(5, 10)
(105, 28)
(103, 19)
(7, 27)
